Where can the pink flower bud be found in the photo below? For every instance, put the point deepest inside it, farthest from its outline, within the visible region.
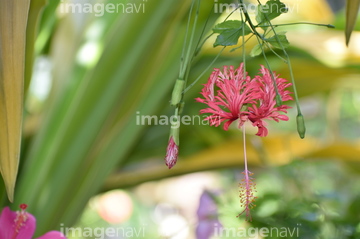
(171, 153)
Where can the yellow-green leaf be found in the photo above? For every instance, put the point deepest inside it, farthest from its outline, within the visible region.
(13, 21)
(352, 9)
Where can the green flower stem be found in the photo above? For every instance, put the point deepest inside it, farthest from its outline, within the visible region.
(207, 68)
(300, 123)
(248, 19)
(177, 93)
(186, 66)
(258, 35)
(202, 43)
(243, 47)
(182, 65)
(301, 23)
(233, 49)
(278, 98)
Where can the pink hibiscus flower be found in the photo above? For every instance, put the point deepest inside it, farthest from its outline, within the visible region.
(21, 225)
(239, 97)
(266, 108)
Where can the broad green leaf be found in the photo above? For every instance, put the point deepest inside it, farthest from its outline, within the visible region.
(269, 11)
(352, 9)
(228, 38)
(36, 10)
(231, 24)
(230, 31)
(256, 50)
(274, 41)
(13, 21)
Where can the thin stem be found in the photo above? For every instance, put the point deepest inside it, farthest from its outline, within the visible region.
(248, 19)
(187, 59)
(207, 68)
(243, 45)
(268, 65)
(245, 156)
(301, 23)
(182, 58)
(272, 50)
(290, 68)
(200, 44)
(258, 35)
(239, 7)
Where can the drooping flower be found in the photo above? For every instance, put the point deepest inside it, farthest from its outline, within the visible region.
(238, 97)
(232, 95)
(172, 152)
(21, 225)
(266, 107)
(235, 90)
(207, 217)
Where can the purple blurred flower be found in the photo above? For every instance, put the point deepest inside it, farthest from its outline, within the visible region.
(207, 216)
(21, 225)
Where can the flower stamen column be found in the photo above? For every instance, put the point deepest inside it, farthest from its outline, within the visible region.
(247, 186)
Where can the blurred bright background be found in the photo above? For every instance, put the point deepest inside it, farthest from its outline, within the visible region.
(86, 163)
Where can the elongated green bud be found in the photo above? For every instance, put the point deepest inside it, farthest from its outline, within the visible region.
(177, 92)
(300, 125)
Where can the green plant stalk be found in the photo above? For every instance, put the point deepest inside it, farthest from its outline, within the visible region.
(185, 62)
(278, 98)
(206, 69)
(258, 36)
(301, 23)
(243, 44)
(300, 123)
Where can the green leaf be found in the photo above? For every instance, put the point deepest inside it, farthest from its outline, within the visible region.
(352, 9)
(231, 24)
(13, 22)
(256, 50)
(269, 11)
(228, 38)
(274, 41)
(230, 31)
